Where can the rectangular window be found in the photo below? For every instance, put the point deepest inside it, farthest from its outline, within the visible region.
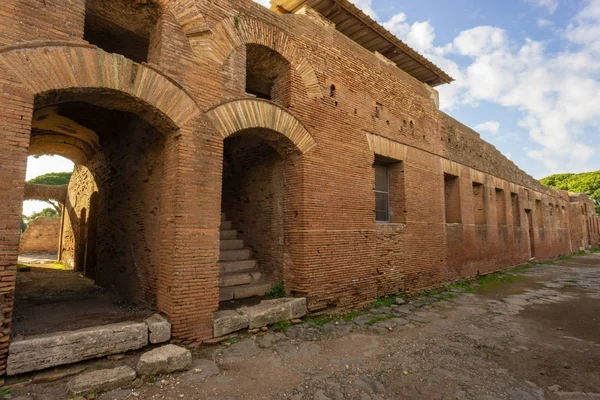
(479, 203)
(382, 192)
(516, 212)
(452, 198)
(501, 207)
(539, 216)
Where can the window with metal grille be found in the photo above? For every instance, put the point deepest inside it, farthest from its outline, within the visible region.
(382, 192)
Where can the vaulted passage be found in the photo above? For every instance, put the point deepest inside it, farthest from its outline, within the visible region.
(111, 229)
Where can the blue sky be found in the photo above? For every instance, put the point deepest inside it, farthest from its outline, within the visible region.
(527, 75)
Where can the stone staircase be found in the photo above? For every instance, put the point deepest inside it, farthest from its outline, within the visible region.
(239, 275)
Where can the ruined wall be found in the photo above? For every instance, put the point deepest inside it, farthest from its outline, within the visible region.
(41, 236)
(347, 258)
(81, 187)
(583, 223)
(333, 250)
(128, 174)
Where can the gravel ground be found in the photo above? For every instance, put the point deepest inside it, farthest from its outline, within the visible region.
(532, 334)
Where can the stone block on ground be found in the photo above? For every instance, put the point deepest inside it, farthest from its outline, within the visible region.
(159, 329)
(271, 311)
(164, 360)
(228, 321)
(101, 380)
(49, 350)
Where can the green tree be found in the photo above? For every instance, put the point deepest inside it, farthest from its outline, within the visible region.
(586, 182)
(52, 178)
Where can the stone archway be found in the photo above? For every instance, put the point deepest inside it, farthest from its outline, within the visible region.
(239, 115)
(233, 32)
(115, 83)
(262, 193)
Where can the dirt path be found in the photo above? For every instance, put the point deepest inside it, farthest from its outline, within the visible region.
(534, 334)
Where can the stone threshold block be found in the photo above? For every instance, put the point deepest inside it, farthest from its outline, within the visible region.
(164, 360)
(159, 329)
(101, 380)
(52, 349)
(266, 313)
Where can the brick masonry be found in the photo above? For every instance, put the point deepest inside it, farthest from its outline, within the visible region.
(41, 236)
(153, 186)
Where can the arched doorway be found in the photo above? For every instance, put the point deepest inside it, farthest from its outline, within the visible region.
(261, 195)
(133, 99)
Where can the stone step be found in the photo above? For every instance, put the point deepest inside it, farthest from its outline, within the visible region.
(228, 234)
(226, 225)
(231, 244)
(235, 255)
(240, 278)
(244, 291)
(266, 313)
(228, 267)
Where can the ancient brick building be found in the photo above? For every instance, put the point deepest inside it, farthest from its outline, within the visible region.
(222, 147)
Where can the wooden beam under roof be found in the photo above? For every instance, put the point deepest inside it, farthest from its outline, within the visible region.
(359, 27)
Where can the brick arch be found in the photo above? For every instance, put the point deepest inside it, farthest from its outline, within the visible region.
(233, 32)
(239, 115)
(188, 16)
(54, 68)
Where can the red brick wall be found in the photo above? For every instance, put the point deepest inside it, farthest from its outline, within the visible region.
(41, 236)
(333, 250)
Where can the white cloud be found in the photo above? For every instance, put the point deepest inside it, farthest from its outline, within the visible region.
(550, 5)
(367, 7)
(489, 126)
(480, 40)
(419, 35)
(543, 23)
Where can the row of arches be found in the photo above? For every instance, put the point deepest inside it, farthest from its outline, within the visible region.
(142, 211)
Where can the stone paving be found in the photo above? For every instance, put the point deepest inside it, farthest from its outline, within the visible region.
(534, 334)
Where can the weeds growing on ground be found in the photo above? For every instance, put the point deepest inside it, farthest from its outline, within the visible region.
(277, 291)
(318, 320)
(232, 340)
(383, 302)
(378, 318)
(282, 326)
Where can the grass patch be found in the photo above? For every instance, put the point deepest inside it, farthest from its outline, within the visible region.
(596, 250)
(383, 302)
(351, 315)
(282, 326)
(319, 321)
(4, 393)
(462, 286)
(378, 318)
(494, 281)
(446, 296)
(232, 340)
(277, 291)
(150, 379)
(572, 281)
(579, 253)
